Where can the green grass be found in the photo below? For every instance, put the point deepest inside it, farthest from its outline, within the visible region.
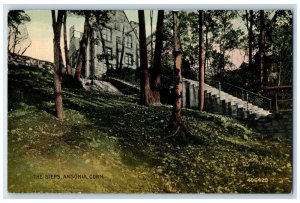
(130, 146)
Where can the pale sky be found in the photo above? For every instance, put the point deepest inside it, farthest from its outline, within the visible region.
(41, 33)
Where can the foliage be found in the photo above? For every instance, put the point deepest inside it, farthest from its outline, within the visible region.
(18, 37)
(17, 17)
(279, 53)
(220, 36)
(130, 146)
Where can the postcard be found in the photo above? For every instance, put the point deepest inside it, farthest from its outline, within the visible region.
(150, 101)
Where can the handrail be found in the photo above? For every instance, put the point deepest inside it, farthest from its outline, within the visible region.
(247, 91)
(242, 90)
(279, 88)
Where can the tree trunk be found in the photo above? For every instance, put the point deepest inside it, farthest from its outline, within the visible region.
(262, 48)
(156, 69)
(145, 96)
(57, 24)
(104, 48)
(206, 48)
(67, 58)
(177, 100)
(82, 49)
(250, 37)
(117, 55)
(123, 49)
(201, 61)
(151, 36)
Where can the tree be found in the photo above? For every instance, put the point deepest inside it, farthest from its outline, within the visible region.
(157, 60)
(250, 36)
(101, 17)
(145, 97)
(67, 58)
(188, 30)
(150, 78)
(201, 61)
(262, 48)
(83, 44)
(226, 36)
(56, 25)
(151, 36)
(281, 49)
(124, 36)
(18, 37)
(122, 49)
(177, 100)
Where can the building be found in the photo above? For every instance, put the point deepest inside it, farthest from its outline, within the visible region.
(121, 45)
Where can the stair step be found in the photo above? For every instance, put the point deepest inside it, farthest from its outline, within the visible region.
(222, 102)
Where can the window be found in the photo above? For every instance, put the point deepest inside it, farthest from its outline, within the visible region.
(128, 41)
(109, 52)
(106, 32)
(128, 59)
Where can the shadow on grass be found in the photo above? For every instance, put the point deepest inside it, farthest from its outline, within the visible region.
(116, 123)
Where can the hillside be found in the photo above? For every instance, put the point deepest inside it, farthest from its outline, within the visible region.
(128, 148)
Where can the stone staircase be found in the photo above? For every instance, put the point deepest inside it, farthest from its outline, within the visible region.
(220, 102)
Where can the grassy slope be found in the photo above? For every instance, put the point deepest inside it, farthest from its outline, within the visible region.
(130, 146)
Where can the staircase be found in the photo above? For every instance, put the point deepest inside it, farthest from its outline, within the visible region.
(219, 102)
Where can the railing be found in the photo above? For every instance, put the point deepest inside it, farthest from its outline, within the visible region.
(282, 95)
(246, 95)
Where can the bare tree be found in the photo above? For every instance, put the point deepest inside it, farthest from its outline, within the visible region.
(177, 100)
(67, 58)
(156, 68)
(122, 49)
(262, 48)
(249, 24)
(83, 46)
(146, 96)
(57, 24)
(151, 36)
(18, 38)
(103, 46)
(201, 61)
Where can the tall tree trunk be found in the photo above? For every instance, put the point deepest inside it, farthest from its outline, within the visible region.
(104, 47)
(177, 100)
(222, 45)
(151, 36)
(67, 58)
(82, 49)
(201, 61)
(117, 55)
(262, 48)
(156, 69)
(57, 24)
(206, 48)
(145, 96)
(250, 36)
(123, 49)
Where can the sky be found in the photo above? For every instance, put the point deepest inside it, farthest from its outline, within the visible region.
(41, 33)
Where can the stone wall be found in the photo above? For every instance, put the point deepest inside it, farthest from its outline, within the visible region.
(269, 125)
(277, 125)
(32, 62)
